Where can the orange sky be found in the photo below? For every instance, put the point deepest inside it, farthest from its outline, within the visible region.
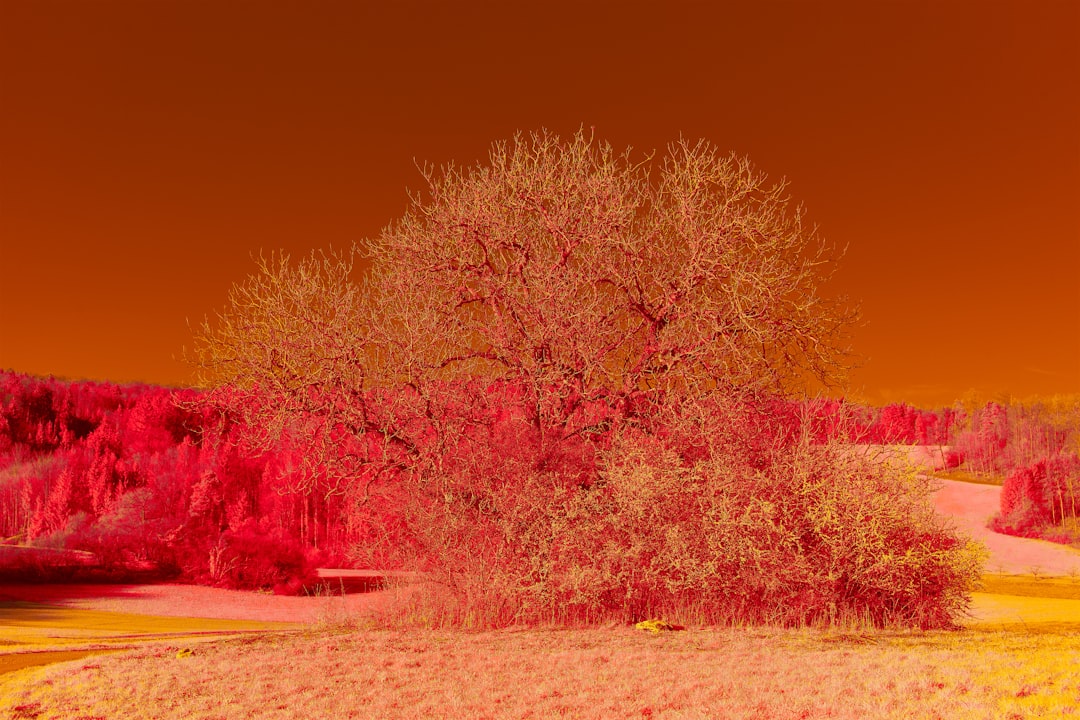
(147, 149)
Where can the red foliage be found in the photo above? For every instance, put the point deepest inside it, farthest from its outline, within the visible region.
(895, 424)
(1001, 439)
(40, 415)
(256, 555)
(1024, 510)
(1039, 496)
(170, 478)
(142, 475)
(953, 459)
(903, 424)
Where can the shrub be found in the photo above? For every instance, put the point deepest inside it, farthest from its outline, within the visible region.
(1024, 510)
(785, 532)
(953, 459)
(253, 557)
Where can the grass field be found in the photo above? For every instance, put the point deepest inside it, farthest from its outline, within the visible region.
(1019, 658)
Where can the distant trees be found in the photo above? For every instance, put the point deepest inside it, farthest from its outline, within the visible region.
(145, 479)
(1041, 500)
(900, 423)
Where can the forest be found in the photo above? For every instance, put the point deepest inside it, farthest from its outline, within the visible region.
(153, 479)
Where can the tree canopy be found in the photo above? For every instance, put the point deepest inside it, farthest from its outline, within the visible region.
(555, 385)
(564, 264)
(564, 268)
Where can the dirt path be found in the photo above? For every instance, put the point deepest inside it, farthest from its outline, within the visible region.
(971, 506)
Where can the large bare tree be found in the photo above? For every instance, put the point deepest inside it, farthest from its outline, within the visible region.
(555, 356)
(286, 359)
(574, 270)
(572, 273)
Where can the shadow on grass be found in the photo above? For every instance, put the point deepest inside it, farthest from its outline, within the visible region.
(56, 592)
(17, 661)
(66, 622)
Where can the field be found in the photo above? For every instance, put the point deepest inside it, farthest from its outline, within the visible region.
(350, 668)
(176, 651)
(67, 653)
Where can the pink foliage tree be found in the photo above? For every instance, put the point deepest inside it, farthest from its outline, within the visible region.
(563, 389)
(1039, 497)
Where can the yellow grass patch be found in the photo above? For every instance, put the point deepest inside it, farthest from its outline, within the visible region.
(1027, 604)
(1065, 588)
(31, 624)
(1025, 614)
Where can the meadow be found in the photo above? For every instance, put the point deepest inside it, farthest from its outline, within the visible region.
(72, 651)
(352, 668)
(187, 651)
(373, 656)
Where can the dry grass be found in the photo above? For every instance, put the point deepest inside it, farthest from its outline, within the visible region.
(1017, 659)
(589, 673)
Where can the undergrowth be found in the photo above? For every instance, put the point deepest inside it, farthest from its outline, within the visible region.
(724, 519)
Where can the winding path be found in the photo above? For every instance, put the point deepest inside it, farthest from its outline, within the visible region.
(971, 506)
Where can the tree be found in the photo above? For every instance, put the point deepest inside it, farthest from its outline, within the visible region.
(561, 265)
(288, 359)
(576, 275)
(539, 341)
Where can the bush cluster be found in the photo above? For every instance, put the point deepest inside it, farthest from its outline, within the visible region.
(717, 513)
(1039, 499)
(561, 391)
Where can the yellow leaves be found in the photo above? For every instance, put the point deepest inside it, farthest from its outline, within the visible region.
(657, 626)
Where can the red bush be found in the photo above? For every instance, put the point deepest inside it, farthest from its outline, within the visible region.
(254, 556)
(1024, 510)
(953, 459)
(1037, 497)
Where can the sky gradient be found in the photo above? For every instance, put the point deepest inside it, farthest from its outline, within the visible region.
(149, 149)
